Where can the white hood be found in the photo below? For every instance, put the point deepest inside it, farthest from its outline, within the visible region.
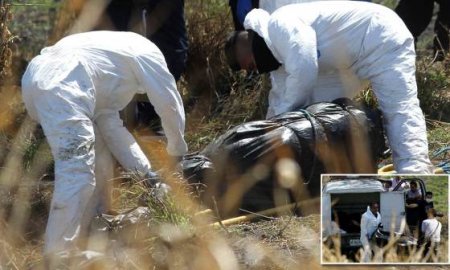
(258, 20)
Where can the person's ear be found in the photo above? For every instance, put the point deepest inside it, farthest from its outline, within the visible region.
(231, 51)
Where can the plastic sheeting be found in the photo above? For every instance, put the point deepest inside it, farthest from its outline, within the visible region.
(319, 139)
(125, 227)
(196, 168)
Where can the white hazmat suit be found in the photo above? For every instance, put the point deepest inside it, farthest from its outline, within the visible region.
(272, 5)
(328, 49)
(75, 90)
(369, 224)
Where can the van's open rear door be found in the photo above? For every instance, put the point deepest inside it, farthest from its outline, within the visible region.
(392, 209)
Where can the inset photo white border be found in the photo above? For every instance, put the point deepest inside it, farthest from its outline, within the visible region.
(393, 241)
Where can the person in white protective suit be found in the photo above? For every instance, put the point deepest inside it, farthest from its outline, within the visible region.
(370, 221)
(75, 90)
(240, 8)
(322, 51)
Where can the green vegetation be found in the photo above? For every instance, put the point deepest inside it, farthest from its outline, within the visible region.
(439, 186)
(433, 82)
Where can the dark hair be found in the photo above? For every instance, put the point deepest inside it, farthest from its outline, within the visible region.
(429, 193)
(264, 58)
(373, 203)
(230, 51)
(432, 211)
(413, 183)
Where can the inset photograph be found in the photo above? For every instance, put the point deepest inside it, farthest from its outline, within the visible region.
(384, 219)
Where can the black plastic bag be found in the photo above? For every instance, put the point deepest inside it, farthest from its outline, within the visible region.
(323, 138)
(196, 168)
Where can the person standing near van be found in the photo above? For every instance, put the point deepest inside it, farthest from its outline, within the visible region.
(431, 229)
(417, 14)
(370, 221)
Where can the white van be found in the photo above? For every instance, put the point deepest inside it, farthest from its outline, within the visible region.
(344, 200)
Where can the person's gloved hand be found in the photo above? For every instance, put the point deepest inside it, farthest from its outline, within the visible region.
(158, 189)
(151, 179)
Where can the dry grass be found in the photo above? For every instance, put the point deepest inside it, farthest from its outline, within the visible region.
(215, 97)
(6, 40)
(246, 102)
(433, 81)
(389, 254)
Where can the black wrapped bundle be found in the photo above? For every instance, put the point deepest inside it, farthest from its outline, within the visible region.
(323, 138)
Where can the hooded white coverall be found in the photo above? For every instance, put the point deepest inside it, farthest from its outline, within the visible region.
(243, 7)
(272, 5)
(369, 224)
(75, 90)
(327, 49)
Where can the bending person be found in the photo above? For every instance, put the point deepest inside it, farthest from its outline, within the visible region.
(75, 90)
(349, 42)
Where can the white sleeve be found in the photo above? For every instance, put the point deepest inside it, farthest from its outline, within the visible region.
(120, 142)
(278, 81)
(272, 5)
(153, 75)
(423, 227)
(363, 226)
(294, 43)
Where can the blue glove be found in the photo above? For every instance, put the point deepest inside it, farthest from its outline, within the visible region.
(151, 179)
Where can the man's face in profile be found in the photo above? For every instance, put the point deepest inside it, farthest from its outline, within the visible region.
(374, 208)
